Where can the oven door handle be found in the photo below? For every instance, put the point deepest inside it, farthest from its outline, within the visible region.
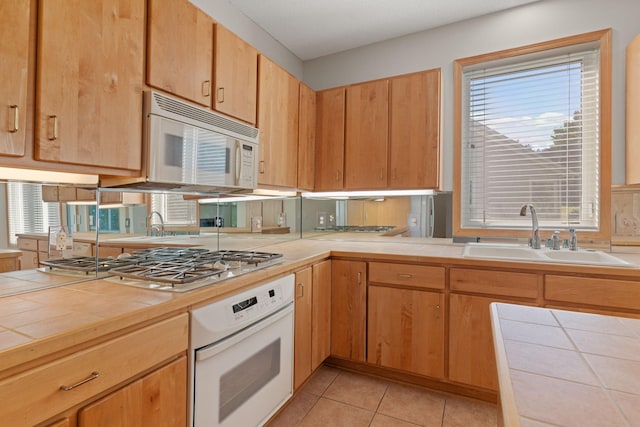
(223, 344)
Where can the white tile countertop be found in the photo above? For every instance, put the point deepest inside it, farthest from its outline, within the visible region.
(565, 368)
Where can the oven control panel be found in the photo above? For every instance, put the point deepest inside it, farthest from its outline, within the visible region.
(256, 305)
(221, 318)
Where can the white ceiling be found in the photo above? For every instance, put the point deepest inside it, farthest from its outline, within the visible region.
(314, 28)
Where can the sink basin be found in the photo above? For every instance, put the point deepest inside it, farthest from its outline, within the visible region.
(586, 257)
(511, 252)
(502, 251)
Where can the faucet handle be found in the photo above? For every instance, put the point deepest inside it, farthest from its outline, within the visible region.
(555, 241)
(573, 239)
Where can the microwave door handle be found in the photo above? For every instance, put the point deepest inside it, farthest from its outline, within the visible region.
(238, 162)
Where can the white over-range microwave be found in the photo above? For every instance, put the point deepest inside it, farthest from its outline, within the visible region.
(189, 148)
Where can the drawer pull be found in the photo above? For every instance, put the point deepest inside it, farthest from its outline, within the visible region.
(93, 376)
(406, 276)
(16, 119)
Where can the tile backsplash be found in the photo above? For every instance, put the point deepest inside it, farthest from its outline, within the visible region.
(625, 213)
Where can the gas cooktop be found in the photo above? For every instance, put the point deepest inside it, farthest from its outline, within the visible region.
(179, 271)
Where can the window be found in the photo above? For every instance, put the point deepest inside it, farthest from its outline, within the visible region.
(27, 212)
(174, 209)
(532, 127)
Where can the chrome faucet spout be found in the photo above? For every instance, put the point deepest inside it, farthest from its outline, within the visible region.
(151, 227)
(535, 232)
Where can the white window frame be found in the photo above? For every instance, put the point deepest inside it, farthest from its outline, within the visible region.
(600, 231)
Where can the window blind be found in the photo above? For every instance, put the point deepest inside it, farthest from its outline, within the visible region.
(530, 134)
(27, 212)
(174, 209)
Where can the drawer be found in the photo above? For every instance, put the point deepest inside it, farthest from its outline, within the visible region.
(607, 293)
(419, 276)
(43, 245)
(35, 395)
(494, 282)
(27, 244)
(82, 249)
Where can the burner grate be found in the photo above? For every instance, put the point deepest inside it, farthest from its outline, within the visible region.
(250, 257)
(87, 264)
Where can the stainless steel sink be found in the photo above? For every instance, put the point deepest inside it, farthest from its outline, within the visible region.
(511, 252)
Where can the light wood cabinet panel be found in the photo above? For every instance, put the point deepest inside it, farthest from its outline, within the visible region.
(633, 111)
(414, 121)
(89, 83)
(236, 76)
(607, 293)
(348, 309)
(494, 282)
(9, 264)
(157, 400)
(14, 45)
(321, 314)
(420, 276)
(406, 330)
(92, 371)
(180, 50)
(302, 338)
(471, 354)
(65, 422)
(366, 140)
(329, 150)
(278, 124)
(306, 138)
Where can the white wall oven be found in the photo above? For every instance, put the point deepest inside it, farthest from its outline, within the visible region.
(241, 351)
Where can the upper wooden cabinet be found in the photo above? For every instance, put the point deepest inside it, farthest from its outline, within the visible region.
(180, 50)
(278, 123)
(633, 111)
(306, 138)
(89, 83)
(414, 121)
(367, 135)
(329, 149)
(14, 45)
(235, 76)
(383, 134)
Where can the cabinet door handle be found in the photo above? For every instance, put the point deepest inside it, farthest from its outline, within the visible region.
(221, 95)
(206, 88)
(54, 128)
(406, 276)
(359, 277)
(16, 119)
(381, 173)
(301, 287)
(261, 164)
(338, 175)
(93, 376)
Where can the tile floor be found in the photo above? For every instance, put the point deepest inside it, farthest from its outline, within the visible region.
(333, 397)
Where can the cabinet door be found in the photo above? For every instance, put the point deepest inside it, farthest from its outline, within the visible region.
(180, 50)
(406, 330)
(415, 130)
(302, 338)
(348, 309)
(89, 83)
(329, 163)
(367, 127)
(278, 123)
(306, 138)
(14, 45)
(236, 76)
(157, 400)
(321, 314)
(633, 111)
(471, 354)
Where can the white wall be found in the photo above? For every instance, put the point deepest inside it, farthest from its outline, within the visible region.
(226, 14)
(536, 22)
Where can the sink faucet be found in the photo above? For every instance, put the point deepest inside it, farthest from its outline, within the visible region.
(155, 227)
(535, 232)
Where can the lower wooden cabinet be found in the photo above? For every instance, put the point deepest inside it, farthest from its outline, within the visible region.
(406, 330)
(471, 355)
(156, 400)
(312, 320)
(348, 309)
(59, 386)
